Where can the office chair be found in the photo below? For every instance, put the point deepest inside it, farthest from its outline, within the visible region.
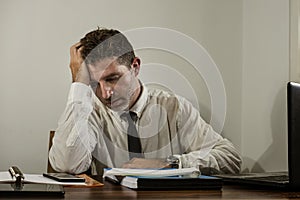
(49, 167)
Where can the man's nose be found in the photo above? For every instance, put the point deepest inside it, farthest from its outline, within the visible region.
(107, 91)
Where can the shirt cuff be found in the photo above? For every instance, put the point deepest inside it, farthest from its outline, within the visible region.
(80, 92)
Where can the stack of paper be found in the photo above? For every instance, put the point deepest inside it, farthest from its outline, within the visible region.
(150, 172)
(186, 178)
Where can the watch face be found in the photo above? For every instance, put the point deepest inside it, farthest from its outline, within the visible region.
(173, 161)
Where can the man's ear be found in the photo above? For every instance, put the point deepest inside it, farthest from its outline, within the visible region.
(136, 64)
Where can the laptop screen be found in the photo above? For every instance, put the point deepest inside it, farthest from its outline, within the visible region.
(293, 109)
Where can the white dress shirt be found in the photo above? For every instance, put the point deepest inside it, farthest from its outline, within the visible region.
(88, 132)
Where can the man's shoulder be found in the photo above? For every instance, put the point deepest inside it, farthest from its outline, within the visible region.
(160, 93)
(164, 96)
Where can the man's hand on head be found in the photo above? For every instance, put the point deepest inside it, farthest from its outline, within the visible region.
(80, 72)
(140, 163)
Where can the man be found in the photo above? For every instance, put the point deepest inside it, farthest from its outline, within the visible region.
(113, 120)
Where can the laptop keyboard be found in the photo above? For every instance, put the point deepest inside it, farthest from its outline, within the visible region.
(282, 178)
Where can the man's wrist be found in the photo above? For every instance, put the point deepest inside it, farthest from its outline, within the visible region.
(83, 80)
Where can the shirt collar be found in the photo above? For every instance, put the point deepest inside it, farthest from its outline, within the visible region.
(141, 102)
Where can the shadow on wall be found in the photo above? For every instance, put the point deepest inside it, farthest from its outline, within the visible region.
(275, 157)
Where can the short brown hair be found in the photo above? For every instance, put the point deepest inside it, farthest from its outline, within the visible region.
(106, 43)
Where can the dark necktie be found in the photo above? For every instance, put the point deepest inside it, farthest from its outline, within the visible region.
(134, 142)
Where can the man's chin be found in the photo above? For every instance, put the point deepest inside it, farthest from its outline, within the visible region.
(117, 107)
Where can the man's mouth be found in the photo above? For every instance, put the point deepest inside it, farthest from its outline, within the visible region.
(114, 103)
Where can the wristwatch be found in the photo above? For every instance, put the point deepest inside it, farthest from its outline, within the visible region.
(173, 161)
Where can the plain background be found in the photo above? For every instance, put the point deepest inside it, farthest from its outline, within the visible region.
(249, 40)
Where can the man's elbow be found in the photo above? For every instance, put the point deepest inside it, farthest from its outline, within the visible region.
(68, 164)
(233, 166)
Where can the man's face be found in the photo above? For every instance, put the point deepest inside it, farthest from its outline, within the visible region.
(118, 86)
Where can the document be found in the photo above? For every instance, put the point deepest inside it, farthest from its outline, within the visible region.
(150, 172)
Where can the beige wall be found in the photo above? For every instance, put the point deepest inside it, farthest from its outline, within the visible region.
(247, 39)
(265, 73)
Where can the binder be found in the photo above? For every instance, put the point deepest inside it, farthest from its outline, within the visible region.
(18, 186)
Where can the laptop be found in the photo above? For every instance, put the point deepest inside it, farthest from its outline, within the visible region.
(286, 180)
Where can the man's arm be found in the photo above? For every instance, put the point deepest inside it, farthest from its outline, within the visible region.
(74, 140)
(202, 145)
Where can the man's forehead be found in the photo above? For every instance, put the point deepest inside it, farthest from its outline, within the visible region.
(104, 64)
(106, 68)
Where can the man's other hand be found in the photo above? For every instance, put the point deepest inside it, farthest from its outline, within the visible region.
(146, 163)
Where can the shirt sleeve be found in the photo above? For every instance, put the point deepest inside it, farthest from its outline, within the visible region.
(201, 145)
(74, 140)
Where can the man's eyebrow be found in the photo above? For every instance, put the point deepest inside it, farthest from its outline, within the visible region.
(111, 75)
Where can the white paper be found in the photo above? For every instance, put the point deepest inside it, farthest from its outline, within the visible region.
(149, 172)
(6, 177)
(130, 182)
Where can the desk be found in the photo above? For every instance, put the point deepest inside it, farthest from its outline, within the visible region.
(112, 191)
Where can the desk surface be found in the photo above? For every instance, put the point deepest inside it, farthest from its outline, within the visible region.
(112, 191)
